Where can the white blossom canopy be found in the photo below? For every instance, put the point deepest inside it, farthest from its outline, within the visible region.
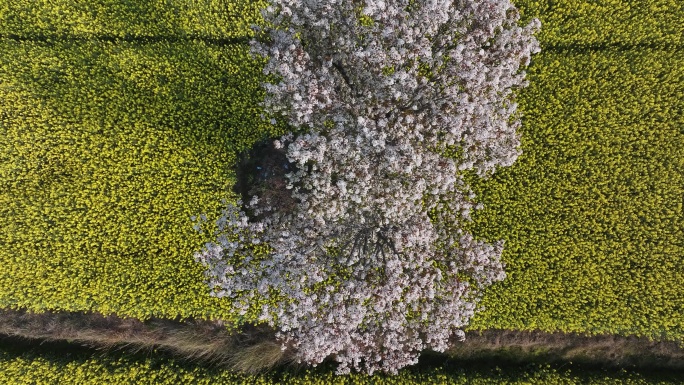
(372, 261)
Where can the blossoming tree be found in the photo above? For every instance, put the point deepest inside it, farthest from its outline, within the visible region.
(371, 265)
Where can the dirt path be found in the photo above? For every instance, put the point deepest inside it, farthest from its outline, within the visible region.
(255, 348)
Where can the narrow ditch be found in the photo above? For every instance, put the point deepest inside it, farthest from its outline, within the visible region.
(254, 349)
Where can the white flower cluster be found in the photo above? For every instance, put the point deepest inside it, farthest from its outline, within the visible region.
(372, 260)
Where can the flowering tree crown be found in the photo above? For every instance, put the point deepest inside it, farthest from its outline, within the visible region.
(371, 264)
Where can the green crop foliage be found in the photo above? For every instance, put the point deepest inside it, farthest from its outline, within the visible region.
(106, 151)
(107, 147)
(592, 210)
(80, 369)
(627, 23)
(215, 19)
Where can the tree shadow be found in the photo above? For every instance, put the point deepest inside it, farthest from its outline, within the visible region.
(261, 171)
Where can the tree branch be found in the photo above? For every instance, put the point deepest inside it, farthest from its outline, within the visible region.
(342, 72)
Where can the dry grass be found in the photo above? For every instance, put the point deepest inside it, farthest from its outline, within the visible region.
(253, 349)
(604, 350)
